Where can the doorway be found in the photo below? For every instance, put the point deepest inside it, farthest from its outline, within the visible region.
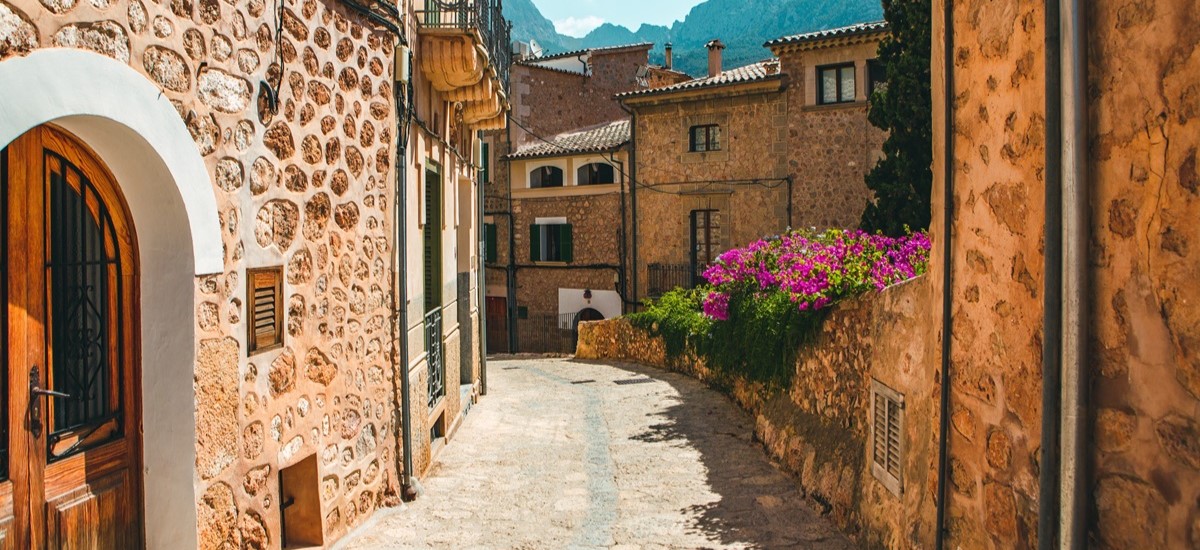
(70, 451)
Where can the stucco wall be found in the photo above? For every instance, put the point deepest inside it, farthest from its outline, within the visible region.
(818, 428)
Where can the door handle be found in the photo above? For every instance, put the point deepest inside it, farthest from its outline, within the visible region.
(35, 404)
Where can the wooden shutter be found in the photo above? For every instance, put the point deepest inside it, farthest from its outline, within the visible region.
(489, 243)
(535, 243)
(566, 248)
(887, 436)
(264, 309)
(483, 171)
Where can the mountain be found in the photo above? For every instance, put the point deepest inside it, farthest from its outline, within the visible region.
(743, 25)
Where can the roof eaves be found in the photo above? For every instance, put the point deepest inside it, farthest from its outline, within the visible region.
(871, 27)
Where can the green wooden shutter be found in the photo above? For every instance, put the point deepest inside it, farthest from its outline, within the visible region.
(483, 172)
(566, 248)
(535, 243)
(489, 243)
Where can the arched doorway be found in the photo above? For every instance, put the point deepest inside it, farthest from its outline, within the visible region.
(586, 314)
(71, 446)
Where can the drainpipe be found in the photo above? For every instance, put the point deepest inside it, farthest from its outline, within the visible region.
(947, 279)
(1075, 384)
(480, 289)
(1052, 298)
(633, 185)
(410, 488)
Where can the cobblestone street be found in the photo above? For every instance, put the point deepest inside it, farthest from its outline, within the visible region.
(565, 454)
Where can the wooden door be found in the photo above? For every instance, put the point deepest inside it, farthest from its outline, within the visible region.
(72, 422)
(496, 310)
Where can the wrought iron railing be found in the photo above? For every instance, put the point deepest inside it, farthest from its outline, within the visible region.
(546, 333)
(486, 16)
(435, 356)
(666, 277)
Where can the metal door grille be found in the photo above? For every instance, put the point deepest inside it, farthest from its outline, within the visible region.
(86, 307)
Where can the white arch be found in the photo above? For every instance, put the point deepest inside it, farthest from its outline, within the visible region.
(140, 137)
(54, 83)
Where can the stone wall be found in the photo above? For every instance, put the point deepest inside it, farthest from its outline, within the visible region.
(818, 428)
(309, 187)
(550, 101)
(1143, 478)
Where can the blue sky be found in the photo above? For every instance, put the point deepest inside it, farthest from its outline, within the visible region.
(577, 17)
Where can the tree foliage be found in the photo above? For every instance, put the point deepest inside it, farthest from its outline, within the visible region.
(902, 180)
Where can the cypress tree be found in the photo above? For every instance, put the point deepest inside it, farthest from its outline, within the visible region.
(903, 178)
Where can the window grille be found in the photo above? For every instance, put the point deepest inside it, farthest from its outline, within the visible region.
(887, 436)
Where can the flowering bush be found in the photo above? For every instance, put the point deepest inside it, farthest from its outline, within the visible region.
(770, 297)
(814, 270)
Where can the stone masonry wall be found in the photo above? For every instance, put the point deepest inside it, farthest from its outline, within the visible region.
(1144, 480)
(818, 428)
(550, 102)
(754, 146)
(309, 188)
(830, 147)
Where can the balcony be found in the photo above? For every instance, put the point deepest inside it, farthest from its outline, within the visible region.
(667, 277)
(467, 45)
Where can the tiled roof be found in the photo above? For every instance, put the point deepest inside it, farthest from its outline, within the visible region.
(762, 70)
(594, 140)
(852, 30)
(576, 53)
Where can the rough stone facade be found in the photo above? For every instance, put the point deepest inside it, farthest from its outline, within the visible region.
(818, 429)
(311, 187)
(785, 160)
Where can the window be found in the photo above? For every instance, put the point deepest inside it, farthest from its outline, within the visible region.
(489, 243)
(264, 308)
(835, 84)
(596, 173)
(887, 437)
(550, 243)
(706, 242)
(704, 138)
(545, 176)
(433, 240)
(876, 77)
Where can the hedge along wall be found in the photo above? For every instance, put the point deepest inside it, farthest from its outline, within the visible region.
(818, 429)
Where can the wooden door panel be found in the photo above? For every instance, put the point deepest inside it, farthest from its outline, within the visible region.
(95, 515)
(7, 537)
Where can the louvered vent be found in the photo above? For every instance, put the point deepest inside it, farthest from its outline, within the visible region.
(887, 435)
(264, 308)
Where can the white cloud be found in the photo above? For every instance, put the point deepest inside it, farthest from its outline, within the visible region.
(577, 26)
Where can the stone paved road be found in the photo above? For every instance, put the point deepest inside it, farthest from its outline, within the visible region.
(560, 455)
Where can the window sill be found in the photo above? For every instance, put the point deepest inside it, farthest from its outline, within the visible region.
(834, 106)
(552, 264)
(568, 191)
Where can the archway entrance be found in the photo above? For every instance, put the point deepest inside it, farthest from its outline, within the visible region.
(70, 451)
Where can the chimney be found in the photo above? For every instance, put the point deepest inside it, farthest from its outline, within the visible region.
(714, 57)
(667, 54)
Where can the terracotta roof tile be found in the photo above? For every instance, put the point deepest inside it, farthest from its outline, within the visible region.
(594, 140)
(851, 30)
(762, 70)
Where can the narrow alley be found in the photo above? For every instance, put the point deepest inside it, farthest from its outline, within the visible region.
(568, 454)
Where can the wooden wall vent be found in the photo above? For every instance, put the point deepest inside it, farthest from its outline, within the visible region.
(887, 434)
(264, 308)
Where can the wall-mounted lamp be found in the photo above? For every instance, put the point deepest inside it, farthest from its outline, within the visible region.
(587, 294)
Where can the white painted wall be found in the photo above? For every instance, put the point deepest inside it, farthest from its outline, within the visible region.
(607, 302)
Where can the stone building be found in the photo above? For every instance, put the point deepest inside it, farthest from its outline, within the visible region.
(727, 158)
(566, 124)
(205, 205)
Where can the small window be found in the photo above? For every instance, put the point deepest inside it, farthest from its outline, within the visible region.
(489, 243)
(835, 84)
(876, 77)
(887, 436)
(264, 309)
(545, 176)
(596, 173)
(704, 138)
(550, 243)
